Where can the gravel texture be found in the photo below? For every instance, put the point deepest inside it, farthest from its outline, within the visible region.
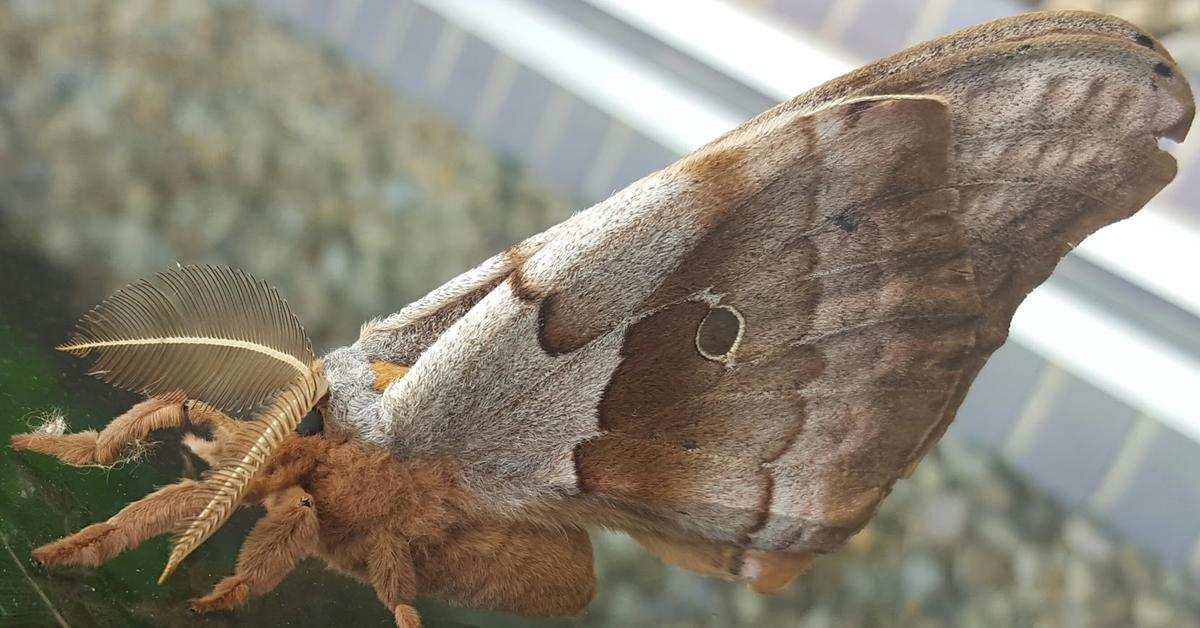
(141, 133)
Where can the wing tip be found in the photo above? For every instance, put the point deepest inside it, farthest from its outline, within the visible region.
(1178, 129)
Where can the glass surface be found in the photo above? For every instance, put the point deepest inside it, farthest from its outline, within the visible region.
(135, 135)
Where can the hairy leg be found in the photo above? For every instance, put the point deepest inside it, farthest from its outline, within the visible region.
(406, 617)
(105, 447)
(390, 570)
(155, 514)
(280, 540)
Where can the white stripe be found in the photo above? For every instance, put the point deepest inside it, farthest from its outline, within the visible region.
(343, 18)
(498, 84)
(445, 56)
(1126, 362)
(932, 16)
(1120, 474)
(255, 347)
(1154, 252)
(630, 89)
(1194, 559)
(841, 15)
(598, 182)
(391, 36)
(749, 48)
(551, 126)
(1034, 415)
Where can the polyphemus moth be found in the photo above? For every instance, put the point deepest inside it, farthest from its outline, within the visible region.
(732, 360)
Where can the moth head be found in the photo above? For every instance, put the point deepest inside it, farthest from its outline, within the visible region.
(312, 424)
(216, 335)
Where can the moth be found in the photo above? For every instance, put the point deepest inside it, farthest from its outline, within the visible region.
(732, 360)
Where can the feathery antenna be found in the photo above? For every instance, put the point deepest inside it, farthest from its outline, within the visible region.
(220, 336)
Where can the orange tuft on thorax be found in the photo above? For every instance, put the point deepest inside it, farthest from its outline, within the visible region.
(386, 373)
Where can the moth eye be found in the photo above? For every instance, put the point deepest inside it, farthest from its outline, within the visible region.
(719, 333)
(312, 423)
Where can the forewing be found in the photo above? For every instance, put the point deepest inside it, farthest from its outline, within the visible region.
(752, 345)
(830, 241)
(852, 307)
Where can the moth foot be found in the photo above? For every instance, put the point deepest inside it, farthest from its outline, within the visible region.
(407, 617)
(229, 593)
(90, 547)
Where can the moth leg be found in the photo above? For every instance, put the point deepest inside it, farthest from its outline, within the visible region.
(105, 447)
(765, 572)
(282, 538)
(223, 427)
(390, 571)
(157, 513)
(406, 617)
(517, 567)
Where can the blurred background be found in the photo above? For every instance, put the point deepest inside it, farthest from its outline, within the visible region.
(358, 153)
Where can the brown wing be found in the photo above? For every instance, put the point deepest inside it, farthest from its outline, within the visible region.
(751, 346)
(808, 276)
(778, 415)
(1056, 119)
